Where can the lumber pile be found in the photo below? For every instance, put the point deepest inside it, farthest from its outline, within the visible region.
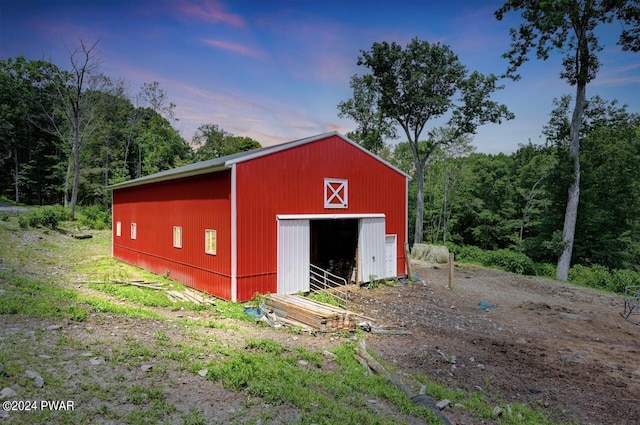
(190, 296)
(312, 314)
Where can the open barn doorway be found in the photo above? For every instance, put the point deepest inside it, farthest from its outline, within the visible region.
(334, 244)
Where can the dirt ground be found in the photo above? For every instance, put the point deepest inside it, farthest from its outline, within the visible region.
(557, 347)
(561, 348)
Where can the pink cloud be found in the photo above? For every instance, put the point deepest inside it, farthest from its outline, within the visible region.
(234, 47)
(210, 11)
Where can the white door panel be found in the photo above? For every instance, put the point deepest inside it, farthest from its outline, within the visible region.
(371, 249)
(293, 256)
(391, 257)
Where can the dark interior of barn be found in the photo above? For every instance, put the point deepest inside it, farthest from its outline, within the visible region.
(334, 244)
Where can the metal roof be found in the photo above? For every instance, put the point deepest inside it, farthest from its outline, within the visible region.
(225, 162)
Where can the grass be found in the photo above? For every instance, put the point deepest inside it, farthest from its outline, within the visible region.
(44, 277)
(43, 300)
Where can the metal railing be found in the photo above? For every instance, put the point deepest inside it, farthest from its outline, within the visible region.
(321, 280)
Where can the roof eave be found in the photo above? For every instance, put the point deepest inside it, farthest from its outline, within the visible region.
(172, 176)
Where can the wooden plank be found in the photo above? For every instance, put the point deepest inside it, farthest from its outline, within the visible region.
(320, 316)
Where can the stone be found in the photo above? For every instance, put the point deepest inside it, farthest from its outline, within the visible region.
(481, 366)
(303, 362)
(329, 354)
(146, 367)
(54, 327)
(203, 372)
(497, 411)
(7, 392)
(443, 404)
(96, 361)
(44, 356)
(37, 379)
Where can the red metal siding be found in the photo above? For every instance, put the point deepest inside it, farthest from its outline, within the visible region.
(292, 182)
(195, 204)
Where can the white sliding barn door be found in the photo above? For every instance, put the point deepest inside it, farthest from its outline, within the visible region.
(293, 256)
(371, 249)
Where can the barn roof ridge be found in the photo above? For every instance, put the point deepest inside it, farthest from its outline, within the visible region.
(225, 162)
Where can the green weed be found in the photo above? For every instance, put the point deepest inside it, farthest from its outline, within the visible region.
(105, 306)
(44, 300)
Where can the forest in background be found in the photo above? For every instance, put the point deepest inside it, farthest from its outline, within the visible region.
(495, 202)
(46, 113)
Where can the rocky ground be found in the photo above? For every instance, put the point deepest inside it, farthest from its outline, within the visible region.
(560, 347)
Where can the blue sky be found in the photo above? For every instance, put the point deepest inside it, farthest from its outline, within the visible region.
(276, 70)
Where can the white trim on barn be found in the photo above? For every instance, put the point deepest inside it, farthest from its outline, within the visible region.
(293, 248)
(234, 235)
(325, 216)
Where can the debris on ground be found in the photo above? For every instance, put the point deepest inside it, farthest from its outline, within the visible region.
(371, 364)
(486, 306)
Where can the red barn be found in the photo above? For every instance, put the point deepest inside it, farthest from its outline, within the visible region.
(255, 221)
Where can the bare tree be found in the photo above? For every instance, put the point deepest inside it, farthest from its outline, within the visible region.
(74, 119)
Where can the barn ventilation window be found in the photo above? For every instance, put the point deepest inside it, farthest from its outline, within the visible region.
(177, 237)
(336, 193)
(118, 228)
(134, 231)
(210, 241)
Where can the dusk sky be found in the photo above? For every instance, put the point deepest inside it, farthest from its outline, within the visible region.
(276, 70)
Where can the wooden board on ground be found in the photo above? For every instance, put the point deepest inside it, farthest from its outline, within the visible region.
(319, 316)
(190, 296)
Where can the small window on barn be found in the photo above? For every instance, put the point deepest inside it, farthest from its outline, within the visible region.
(177, 237)
(210, 241)
(134, 230)
(336, 193)
(118, 228)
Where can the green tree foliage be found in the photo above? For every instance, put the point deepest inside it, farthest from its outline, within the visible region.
(607, 233)
(373, 127)
(569, 27)
(490, 217)
(31, 157)
(417, 85)
(117, 141)
(214, 142)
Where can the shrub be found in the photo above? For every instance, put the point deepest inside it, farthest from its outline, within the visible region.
(471, 254)
(48, 216)
(95, 217)
(595, 276)
(623, 278)
(544, 270)
(514, 262)
(4, 216)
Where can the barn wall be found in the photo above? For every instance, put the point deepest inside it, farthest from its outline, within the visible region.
(195, 204)
(292, 182)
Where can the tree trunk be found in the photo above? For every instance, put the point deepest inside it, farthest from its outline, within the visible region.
(445, 196)
(66, 183)
(418, 234)
(573, 195)
(76, 172)
(17, 174)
